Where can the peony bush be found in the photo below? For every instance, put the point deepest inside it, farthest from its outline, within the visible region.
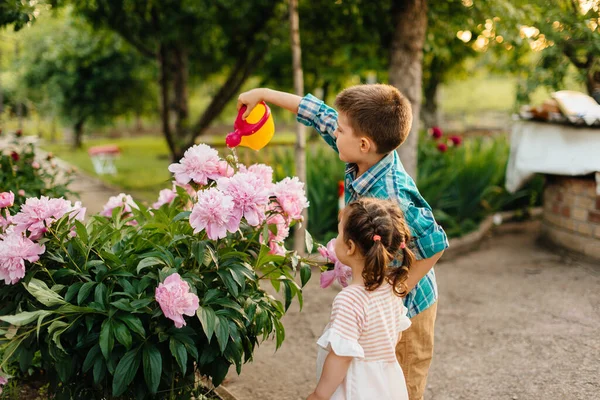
(23, 174)
(137, 301)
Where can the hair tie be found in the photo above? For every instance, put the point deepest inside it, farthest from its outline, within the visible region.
(376, 238)
(403, 245)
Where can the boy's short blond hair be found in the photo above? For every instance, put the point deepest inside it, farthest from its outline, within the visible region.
(380, 112)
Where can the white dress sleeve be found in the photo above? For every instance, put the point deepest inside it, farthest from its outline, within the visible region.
(345, 327)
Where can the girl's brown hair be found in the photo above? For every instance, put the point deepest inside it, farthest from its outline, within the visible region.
(378, 229)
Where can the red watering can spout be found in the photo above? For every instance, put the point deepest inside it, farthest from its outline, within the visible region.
(254, 135)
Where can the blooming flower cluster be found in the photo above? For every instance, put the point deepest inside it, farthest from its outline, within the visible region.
(227, 198)
(452, 141)
(21, 231)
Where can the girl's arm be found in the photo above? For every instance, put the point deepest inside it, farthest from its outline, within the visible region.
(334, 372)
(252, 97)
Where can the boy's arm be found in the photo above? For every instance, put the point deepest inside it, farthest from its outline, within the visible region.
(334, 372)
(252, 97)
(310, 110)
(419, 269)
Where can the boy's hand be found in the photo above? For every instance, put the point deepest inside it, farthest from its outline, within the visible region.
(250, 99)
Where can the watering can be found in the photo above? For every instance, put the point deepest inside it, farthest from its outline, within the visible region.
(254, 132)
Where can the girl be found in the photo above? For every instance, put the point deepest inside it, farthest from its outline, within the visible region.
(357, 358)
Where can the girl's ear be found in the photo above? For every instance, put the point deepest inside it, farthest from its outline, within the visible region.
(351, 248)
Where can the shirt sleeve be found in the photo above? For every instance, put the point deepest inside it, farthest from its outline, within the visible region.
(428, 238)
(314, 113)
(345, 326)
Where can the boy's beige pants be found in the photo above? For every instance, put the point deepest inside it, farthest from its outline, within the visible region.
(415, 350)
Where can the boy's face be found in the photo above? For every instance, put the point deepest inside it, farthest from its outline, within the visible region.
(349, 144)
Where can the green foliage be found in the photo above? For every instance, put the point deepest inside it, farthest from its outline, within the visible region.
(88, 305)
(466, 183)
(21, 171)
(84, 75)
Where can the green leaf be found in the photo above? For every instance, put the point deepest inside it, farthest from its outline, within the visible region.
(179, 352)
(122, 334)
(289, 293)
(182, 215)
(152, 367)
(133, 323)
(25, 317)
(91, 357)
(81, 231)
(126, 371)
(123, 304)
(72, 291)
(99, 370)
(207, 318)
(56, 329)
(222, 332)
(43, 294)
(85, 291)
(107, 340)
(141, 303)
(309, 241)
(305, 273)
(149, 262)
(100, 294)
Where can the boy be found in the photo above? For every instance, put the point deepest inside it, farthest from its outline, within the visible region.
(373, 121)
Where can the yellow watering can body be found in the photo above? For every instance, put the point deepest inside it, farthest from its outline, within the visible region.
(254, 132)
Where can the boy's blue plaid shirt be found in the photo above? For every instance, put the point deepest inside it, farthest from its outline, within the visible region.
(386, 180)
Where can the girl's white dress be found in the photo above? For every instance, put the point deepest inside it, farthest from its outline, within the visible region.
(366, 325)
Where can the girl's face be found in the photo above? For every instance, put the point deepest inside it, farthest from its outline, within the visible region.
(344, 251)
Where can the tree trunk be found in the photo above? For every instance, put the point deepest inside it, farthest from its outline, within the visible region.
(300, 148)
(164, 81)
(406, 67)
(78, 134)
(180, 89)
(430, 113)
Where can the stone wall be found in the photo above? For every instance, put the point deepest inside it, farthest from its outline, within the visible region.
(571, 217)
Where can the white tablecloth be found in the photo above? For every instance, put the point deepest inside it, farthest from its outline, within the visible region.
(546, 148)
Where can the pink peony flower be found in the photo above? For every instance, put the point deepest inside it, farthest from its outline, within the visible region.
(165, 196)
(5, 221)
(176, 300)
(37, 215)
(199, 164)
(342, 272)
(290, 195)
(225, 170)
(436, 132)
(275, 241)
(3, 380)
(35, 165)
(214, 212)
(14, 250)
(15, 156)
(122, 200)
(250, 197)
(21, 193)
(7, 199)
(264, 172)
(442, 147)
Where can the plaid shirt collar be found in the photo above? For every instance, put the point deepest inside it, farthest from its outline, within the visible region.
(363, 183)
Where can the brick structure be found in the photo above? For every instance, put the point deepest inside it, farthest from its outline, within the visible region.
(572, 214)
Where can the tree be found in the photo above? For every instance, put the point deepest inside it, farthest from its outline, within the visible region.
(189, 40)
(88, 76)
(300, 150)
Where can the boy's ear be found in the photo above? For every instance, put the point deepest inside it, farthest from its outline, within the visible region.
(366, 145)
